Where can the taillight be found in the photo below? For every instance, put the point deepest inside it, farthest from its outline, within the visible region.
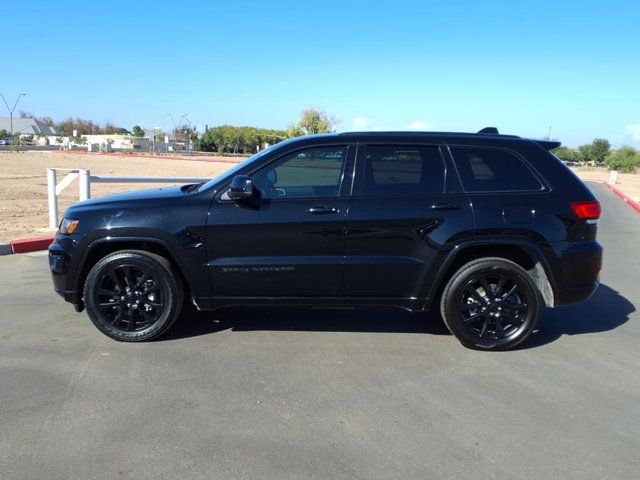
(586, 210)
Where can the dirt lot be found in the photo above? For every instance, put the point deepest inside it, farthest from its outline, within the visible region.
(629, 183)
(23, 184)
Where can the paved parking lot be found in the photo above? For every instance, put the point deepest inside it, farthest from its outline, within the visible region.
(312, 393)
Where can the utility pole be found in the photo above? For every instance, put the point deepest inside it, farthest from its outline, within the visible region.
(176, 127)
(11, 110)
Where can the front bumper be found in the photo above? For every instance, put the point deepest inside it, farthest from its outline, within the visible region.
(61, 264)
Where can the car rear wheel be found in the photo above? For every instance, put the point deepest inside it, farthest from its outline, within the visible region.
(133, 295)
(490, 304)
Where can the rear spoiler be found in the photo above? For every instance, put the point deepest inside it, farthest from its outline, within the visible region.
(548, 144)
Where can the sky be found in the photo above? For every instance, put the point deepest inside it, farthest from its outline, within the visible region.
(522, 66)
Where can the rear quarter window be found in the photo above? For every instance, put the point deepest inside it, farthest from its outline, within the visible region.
(493, 170)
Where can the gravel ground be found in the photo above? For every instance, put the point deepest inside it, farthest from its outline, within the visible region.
(23, 183)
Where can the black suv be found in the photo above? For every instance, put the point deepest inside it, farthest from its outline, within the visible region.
(489, 228)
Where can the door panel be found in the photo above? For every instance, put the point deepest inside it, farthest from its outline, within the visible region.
(392, 242)
(284, 243)
(403, 215)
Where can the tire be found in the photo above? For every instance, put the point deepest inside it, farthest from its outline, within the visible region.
(490, 304)
(133, 295)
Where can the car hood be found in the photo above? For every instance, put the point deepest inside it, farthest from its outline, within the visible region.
(136, 197)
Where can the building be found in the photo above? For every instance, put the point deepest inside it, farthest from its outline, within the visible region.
(26, 126)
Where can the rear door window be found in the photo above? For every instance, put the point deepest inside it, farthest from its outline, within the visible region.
(401, 170)
(493, 170)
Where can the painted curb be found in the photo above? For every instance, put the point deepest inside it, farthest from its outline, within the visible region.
(632, 203)
(25, 245)
(5, 249)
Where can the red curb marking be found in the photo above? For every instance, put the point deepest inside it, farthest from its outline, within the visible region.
(25, 245)
(632, 203)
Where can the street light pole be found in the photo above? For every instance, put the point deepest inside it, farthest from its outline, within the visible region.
(11, 110)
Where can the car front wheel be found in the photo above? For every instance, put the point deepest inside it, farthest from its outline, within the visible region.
(133, 295)
(490, 304)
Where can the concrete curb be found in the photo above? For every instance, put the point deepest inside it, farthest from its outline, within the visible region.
(632, 203)
(25, 245)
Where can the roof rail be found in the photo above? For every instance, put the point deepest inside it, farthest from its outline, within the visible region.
(490, 131)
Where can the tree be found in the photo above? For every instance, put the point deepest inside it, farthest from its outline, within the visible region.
(228, 138)
(110, 129)
(567, 154)
(596, 151)
(294, 131)
(586, 152)
(314, 121)
(4, 134)
(600, 148)
(137, 131)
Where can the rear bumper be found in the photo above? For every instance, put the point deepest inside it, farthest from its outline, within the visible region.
(578, 274)
(569, 296)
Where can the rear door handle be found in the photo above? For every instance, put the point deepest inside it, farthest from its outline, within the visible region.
(322, 210)
(445, 206)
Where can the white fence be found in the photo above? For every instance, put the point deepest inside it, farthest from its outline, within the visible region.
(85, 179)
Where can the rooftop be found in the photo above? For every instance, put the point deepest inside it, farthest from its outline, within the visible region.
(26, 126)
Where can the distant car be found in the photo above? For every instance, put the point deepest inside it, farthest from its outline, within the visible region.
(489, 228)
(4, 141)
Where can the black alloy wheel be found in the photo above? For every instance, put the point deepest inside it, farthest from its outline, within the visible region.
(133, 295)
(129, 297)
(491, 303)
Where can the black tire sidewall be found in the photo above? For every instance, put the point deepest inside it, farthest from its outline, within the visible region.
(453, 294)
(160, 272)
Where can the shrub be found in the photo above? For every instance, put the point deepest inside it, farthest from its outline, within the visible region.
(625, 159)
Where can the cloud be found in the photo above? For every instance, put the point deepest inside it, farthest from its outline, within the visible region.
(419, 125)
(364, 124)
(634, 131)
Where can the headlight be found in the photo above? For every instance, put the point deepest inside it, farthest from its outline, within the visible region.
(68, 226)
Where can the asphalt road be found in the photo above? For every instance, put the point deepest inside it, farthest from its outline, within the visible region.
(327, 394)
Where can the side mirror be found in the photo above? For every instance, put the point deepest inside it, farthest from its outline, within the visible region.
(241, 188)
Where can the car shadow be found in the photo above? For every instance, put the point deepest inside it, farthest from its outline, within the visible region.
(311, 319)
(605, 310)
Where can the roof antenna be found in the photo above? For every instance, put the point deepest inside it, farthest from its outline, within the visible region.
(489, 130)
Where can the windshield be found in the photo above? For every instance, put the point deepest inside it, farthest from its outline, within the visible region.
(241, 165)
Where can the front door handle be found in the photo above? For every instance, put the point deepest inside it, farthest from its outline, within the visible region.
(322, 210)
(445, 206)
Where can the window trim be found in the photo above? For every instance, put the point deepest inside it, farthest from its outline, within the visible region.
(544, 187)
(358, 183)
(350, 151)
